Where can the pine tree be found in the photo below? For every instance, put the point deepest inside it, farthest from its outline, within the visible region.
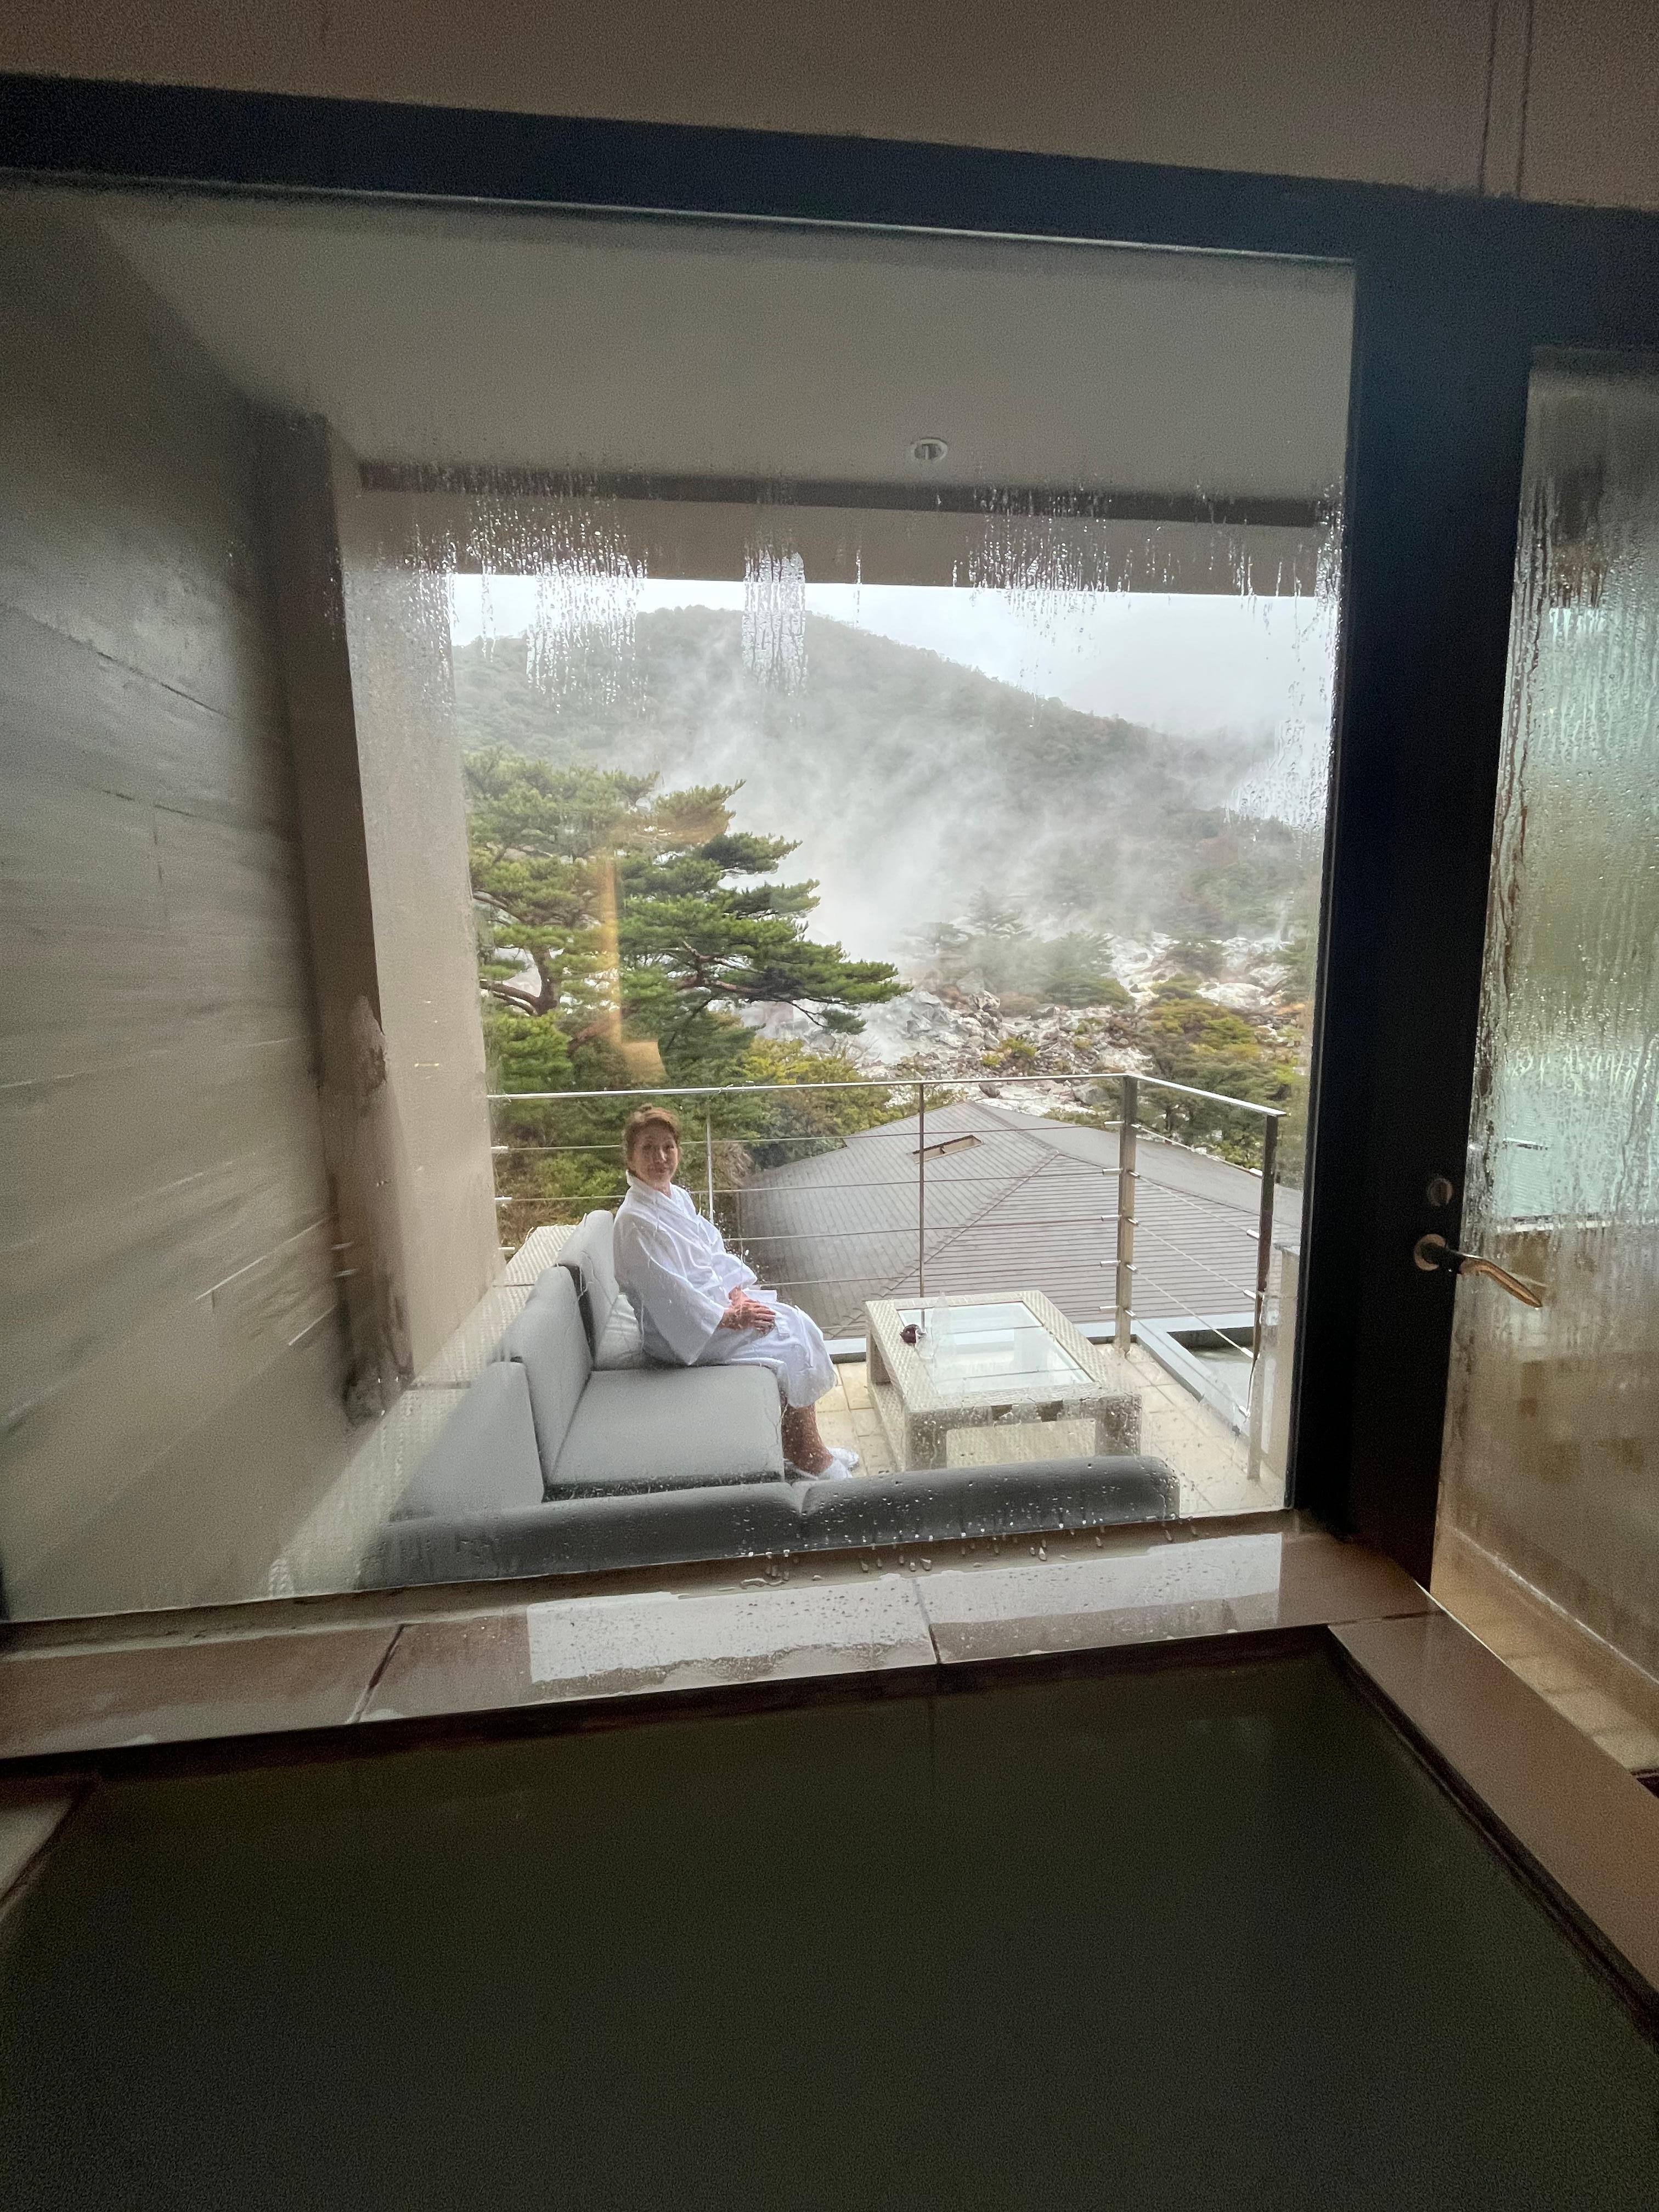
(616, 912)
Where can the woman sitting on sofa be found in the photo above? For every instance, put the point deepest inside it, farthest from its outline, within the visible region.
(697, 1306)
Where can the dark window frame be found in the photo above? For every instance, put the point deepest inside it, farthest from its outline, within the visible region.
(1453, 297)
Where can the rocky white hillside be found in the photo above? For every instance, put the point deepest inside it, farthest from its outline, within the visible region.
(939, 1028)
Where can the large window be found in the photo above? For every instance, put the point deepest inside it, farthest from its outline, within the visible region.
(869, 693)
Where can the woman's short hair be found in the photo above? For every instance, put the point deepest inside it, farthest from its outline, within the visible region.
(648, 1117)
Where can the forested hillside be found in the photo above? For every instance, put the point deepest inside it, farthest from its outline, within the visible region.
(915, 786)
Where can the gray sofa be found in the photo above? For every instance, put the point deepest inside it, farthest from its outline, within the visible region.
(604, 1431)
(570, 1453)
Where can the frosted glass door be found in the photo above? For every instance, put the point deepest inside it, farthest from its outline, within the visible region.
(1551, 1470)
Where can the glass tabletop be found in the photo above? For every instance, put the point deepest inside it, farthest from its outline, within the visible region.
(985, 1352)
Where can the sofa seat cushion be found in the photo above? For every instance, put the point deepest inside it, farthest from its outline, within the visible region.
(484, 1458)
(671, 1428)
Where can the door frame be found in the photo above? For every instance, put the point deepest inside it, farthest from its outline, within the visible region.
(1453, 295)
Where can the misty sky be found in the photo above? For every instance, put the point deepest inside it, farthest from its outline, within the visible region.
(1189, 663)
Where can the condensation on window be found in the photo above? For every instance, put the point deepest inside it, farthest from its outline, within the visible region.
(1550, 1467)
(774, 615)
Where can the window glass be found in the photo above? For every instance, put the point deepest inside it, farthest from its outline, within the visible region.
(1548, 1494)
(866, 695)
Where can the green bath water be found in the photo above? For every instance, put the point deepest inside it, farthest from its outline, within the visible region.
(1187, 1938)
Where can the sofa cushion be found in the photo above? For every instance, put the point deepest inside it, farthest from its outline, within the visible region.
(484, 1458)
(620, 1343)
(574, 1256)
(671, 1428)
(611, 1324)
(587, 1250)
(747, 1520)
(937, 1505)
(584, 1535)
(547, 1341)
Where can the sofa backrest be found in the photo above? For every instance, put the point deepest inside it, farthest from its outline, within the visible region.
(547, 1341)
(484, 1458)
(611, 1325)
(575, 1257)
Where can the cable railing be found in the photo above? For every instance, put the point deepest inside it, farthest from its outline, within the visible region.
(744, 1168)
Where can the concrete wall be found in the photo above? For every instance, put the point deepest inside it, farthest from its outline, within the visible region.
(296, 487)
(174, 1361)
(1555, 99)
(409, 766)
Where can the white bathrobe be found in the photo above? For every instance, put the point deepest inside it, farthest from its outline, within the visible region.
(677, 1275)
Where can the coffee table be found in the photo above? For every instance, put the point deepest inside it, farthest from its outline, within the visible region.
(983, 1360)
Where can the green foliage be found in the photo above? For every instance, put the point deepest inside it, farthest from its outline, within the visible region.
(988, 917)
(1184, 1027)
(1202, 956)
(797, 1123)
(560, 853)
(556, 1161)
(1013, 1056)
(610, 914)
(497, 707)
(533, 832)
(995, 949)
(1103, 1116)
(1240, 878)
(991, 952)
(526, 1052)
(1075, 970)
(1191, 1040)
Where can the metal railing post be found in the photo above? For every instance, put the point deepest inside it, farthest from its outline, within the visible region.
(1126, 1215)
(921, 1191)
(1264, 1261)
(708, 1154)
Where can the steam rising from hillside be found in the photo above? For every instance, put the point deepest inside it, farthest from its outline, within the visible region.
(915, 785)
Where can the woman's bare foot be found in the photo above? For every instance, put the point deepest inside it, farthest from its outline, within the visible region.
(803, 1447)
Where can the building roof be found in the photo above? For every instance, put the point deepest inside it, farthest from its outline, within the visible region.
(1029, 1203)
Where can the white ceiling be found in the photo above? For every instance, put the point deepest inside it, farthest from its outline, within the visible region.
(520, 339)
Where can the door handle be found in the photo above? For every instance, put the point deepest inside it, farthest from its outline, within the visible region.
(1436, 1257)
